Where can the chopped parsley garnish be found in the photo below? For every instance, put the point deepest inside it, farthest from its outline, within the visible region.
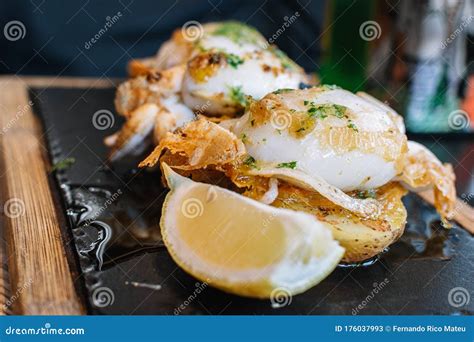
(366, 194)
(251, 162)
(289, 165)
(244, 138)
(238, 32)
(282, 90)
(237, 96)
(234, 61)
(286, 62)
(63, 164)
(352, 126)
(317, 112)
(339, 111)
(322, 111)
(329, 87)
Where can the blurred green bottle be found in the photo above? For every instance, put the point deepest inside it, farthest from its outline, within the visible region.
(347, 32)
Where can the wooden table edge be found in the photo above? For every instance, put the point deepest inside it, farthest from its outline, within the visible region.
(34, 239)
(64, 82)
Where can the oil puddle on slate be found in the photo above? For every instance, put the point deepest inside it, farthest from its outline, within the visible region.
(114, 214)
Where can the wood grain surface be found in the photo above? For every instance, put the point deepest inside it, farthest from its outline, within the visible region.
(40, 275)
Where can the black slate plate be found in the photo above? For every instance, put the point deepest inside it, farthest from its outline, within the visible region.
(114, 213)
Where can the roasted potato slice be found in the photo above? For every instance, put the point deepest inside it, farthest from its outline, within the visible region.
(363, 238)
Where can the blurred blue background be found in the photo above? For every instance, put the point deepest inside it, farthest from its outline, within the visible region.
(57, 31)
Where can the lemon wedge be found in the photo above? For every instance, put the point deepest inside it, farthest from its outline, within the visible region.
(242, 246)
